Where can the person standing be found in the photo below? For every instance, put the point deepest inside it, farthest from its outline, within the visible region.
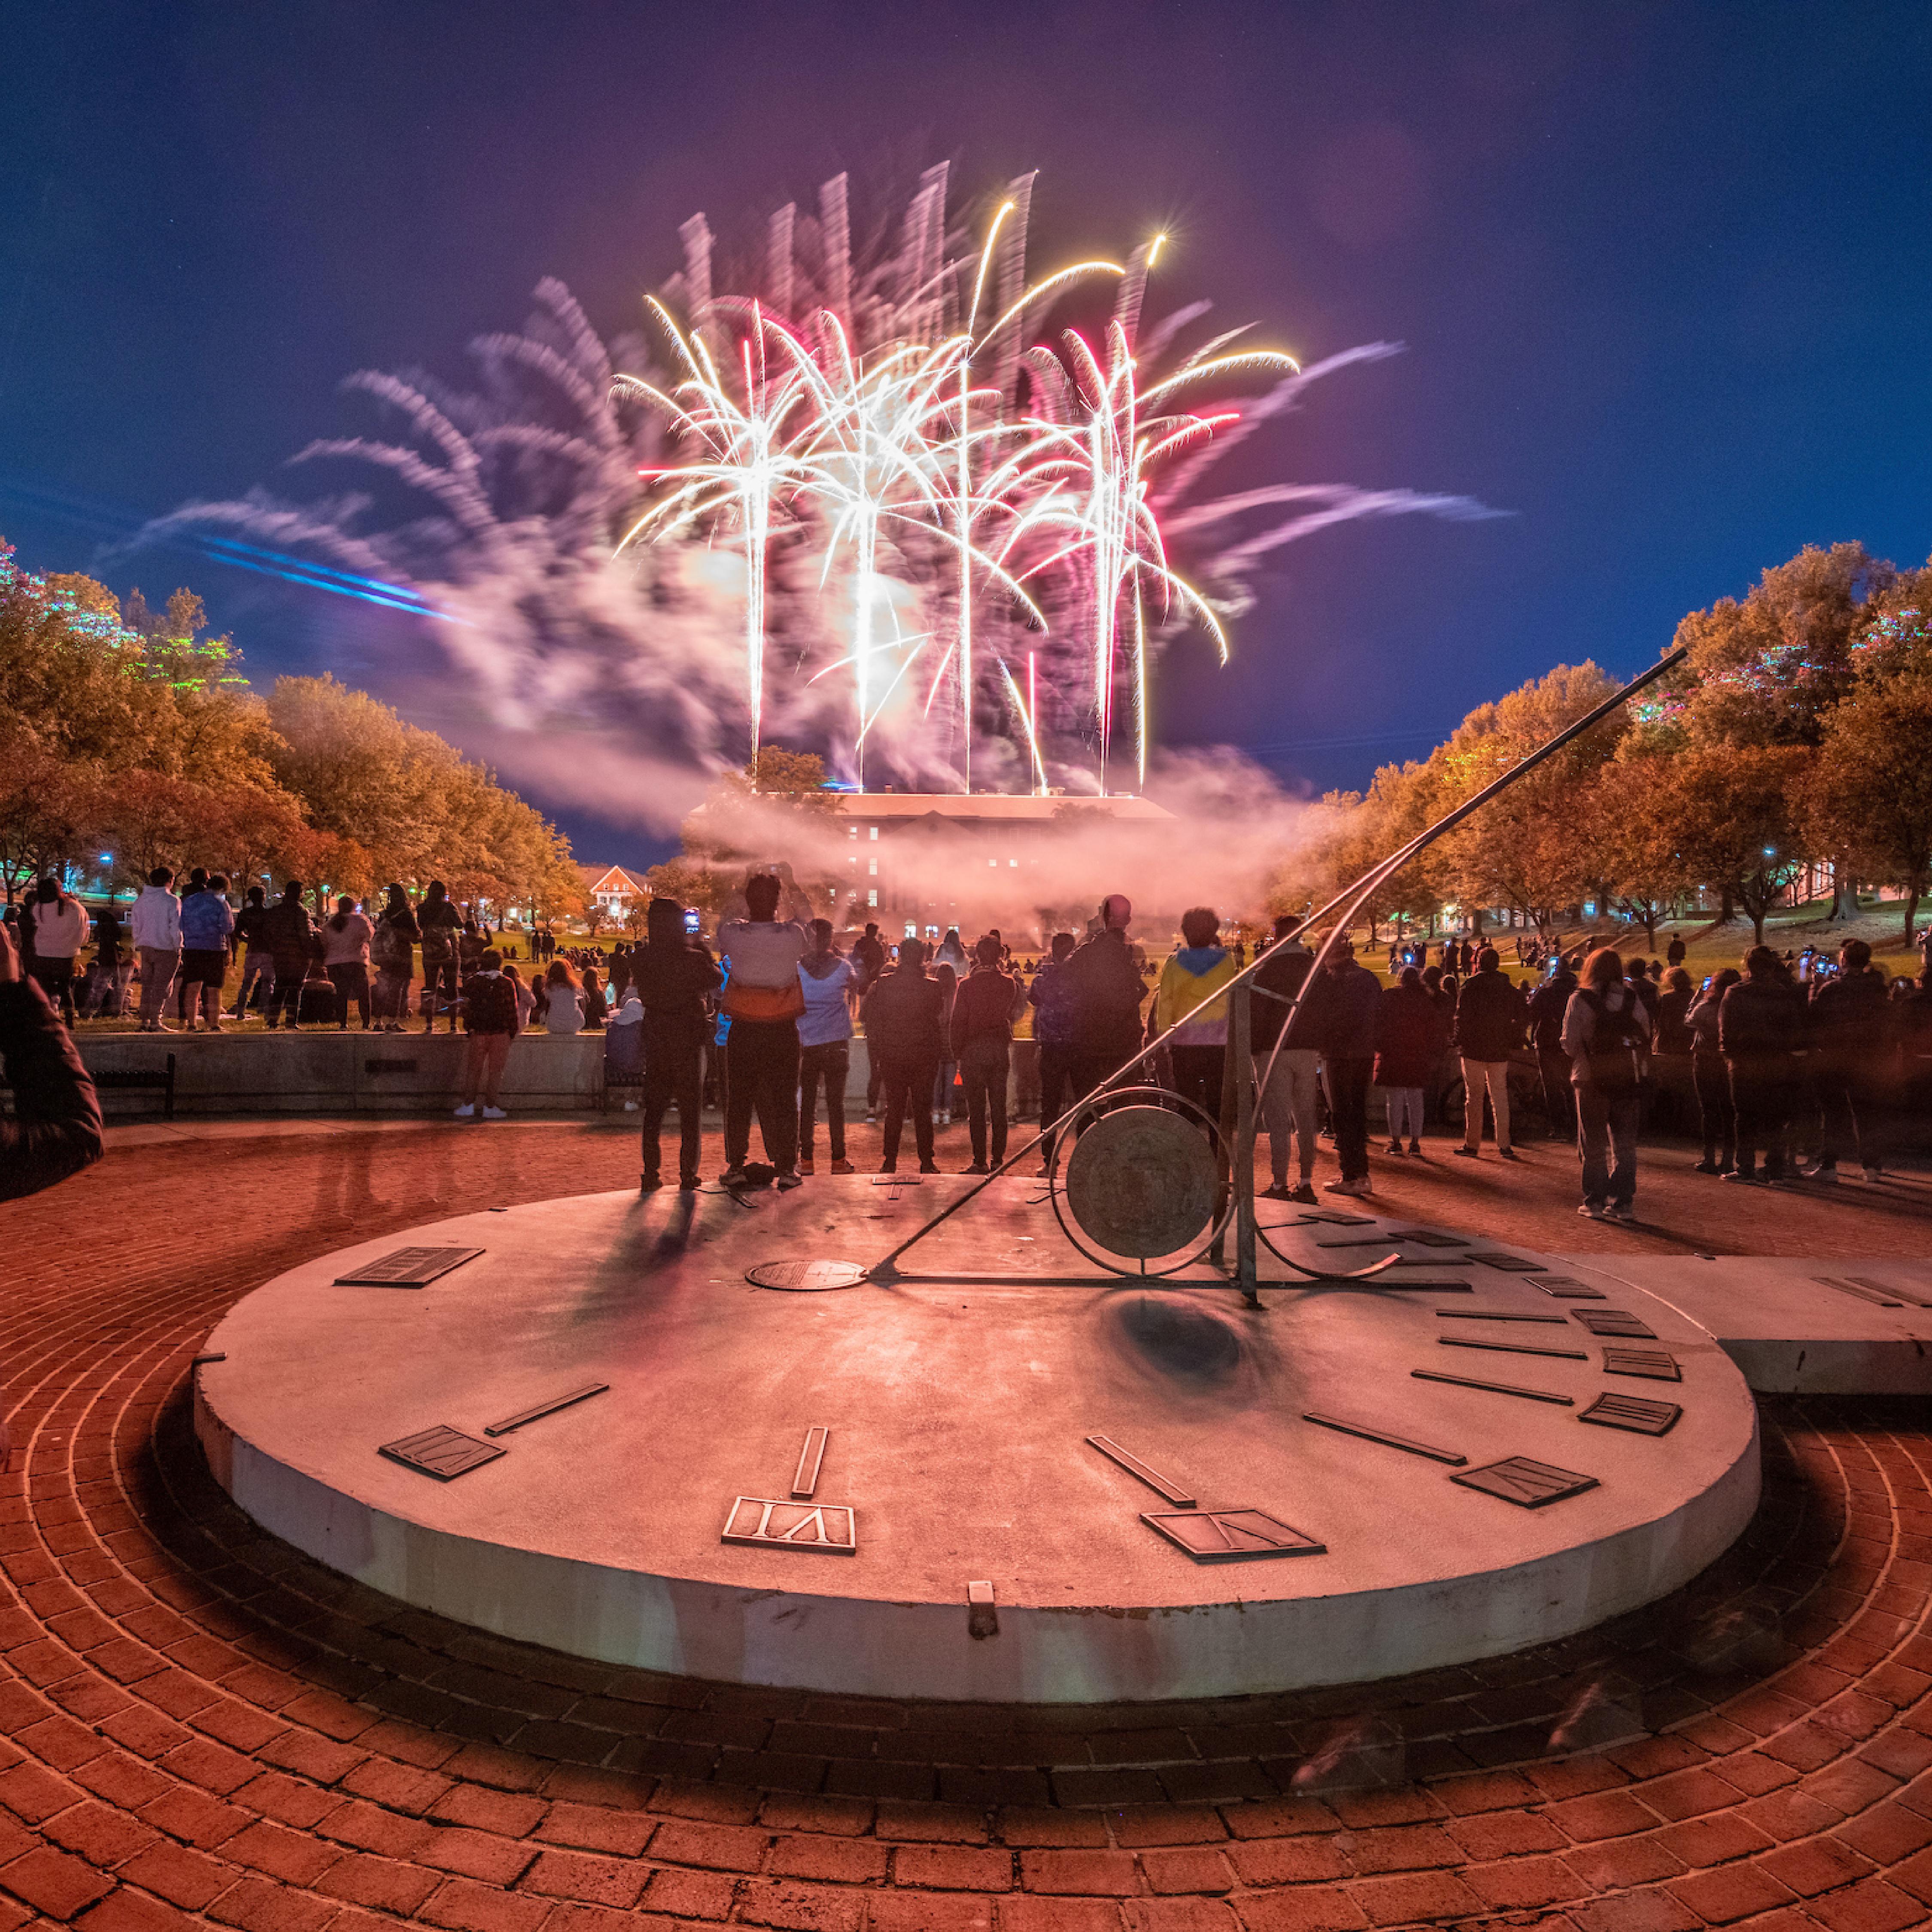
(251, 935)
(156, 924)
(670, 975)
(1489, 1024)
(989, 1000)
(762, 995)
(1710, 1078)
(1851, 1024)
(292, 944)
(442, 928)
(825, 978)
(1192, 997)
(1053, 1037)
(947, 980)
(1607, 1034)
(1762, 1028)
(207, 928)
(490, 1016)
(1675, 953)
(58, 923)
(1347, 997)
(1408, 1043)
(55, 1128)
(392, 950)
(345, 958)
(110, 965)
(1292, 1096)
(1104, 993)
(903, 1026)
(1548, 1006)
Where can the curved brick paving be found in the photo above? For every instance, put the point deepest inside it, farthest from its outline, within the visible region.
(202, 1727)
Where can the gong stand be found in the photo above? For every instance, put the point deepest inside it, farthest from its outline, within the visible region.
(1239, 1083)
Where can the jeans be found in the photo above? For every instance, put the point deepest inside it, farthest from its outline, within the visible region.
(391, 996)
(440, 971)
(285, 995)
(829, 1063)
(55, 979)
(1056, 1088)
(1847, 1099)
(1761, 1091)
(351, 982)
(158, 964)
(1606, 1120)
(984, 1064)
(1716, 1108)
(482, 1064)
(1198, 1072)
(1404, 1102)
(761, 1074)
(905, 1084)
(110, 990)
(1348, 1100)
(258, 969)
(1477, 1075)
(1292, 1096)
(674, 1072)
(1559, 1095)
(943, 1083)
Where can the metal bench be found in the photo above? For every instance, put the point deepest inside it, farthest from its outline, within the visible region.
(141, 1079)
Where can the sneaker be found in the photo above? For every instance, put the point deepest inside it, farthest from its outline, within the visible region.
(1395, 1147)
(1591, 1211)
(1360, 1186)
(467, 1111)
(1469, 1152)
(1825, 1177)
(1744, 1177)
(1304, 1193)
(843, 1167)
(871, 1118)
(889, 1167)
(215, 1026)
(928, 1167)
(494, 1113)
(649, 1183)
(1415, 1147)
(806, 1166)
(977, 1167)
(1707, 1165)
(630, 1106)
(1615, 1212)
(1279, 1191)
(789, 1179)
(1507, 1153)
(732, 1177)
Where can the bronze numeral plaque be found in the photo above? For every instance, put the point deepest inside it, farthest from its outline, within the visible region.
(407, 1268)
(1231, 1535)
(1634, 1412)
(1518, 1480)
(1614, 1321)
(441, 1452)
(1509, 1264)
(829, 1528)
(1565, 1288)
(1654, 1364)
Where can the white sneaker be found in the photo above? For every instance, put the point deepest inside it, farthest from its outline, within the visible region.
(630, 1106)
(494, 1113)
(467, 1111)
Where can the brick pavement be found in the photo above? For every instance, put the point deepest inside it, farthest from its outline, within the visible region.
(198, 1725)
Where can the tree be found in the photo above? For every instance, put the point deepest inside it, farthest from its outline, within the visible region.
(1739, 809)
(49, 811)
(596, 916)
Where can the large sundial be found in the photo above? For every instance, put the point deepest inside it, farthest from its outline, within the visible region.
(999, 1478)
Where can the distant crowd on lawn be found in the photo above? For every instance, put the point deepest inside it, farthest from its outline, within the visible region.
(1775, 1058)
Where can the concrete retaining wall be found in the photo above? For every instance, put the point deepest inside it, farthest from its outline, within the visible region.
(321, 1071)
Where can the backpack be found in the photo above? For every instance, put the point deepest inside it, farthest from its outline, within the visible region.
(1616, 1042)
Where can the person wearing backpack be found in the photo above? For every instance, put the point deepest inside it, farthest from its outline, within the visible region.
(1607, 1034)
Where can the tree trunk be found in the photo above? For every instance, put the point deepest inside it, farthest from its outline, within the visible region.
(1911, 895)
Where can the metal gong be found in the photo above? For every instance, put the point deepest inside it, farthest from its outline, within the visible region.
(1141, 1182)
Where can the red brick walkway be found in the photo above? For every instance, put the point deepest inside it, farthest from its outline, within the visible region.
(201, 1727)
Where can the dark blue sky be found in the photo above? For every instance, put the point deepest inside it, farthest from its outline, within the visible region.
(1664, 274)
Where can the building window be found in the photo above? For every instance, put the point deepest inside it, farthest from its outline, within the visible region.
(872, 868)
(872, 897)
(874, 832)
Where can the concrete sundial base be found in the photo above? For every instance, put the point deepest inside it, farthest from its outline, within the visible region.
(951, 1531)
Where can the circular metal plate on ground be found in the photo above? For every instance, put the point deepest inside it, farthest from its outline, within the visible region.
(1141, 1182)
(805, 1276)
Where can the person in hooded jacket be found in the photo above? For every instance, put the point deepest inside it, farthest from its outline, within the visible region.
(155, 922)
(1548, 1005)
(989, 1000)
(1342, 1006)
(1291, 1097)
(291, 943)
(1409, 1044)
(258, 962)
(392, 950)
(670, 975)
(1490, 1020)
(441, 926)
(1762, 1028)
(904, 1027)
(1191, 996)
(59, 924)
(825, 977)
(1853, 1035)
(1607, 1034)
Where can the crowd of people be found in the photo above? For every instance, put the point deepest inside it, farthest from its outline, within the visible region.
(1780, 1058)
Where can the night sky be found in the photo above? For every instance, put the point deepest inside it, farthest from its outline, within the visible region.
(1664, 274)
